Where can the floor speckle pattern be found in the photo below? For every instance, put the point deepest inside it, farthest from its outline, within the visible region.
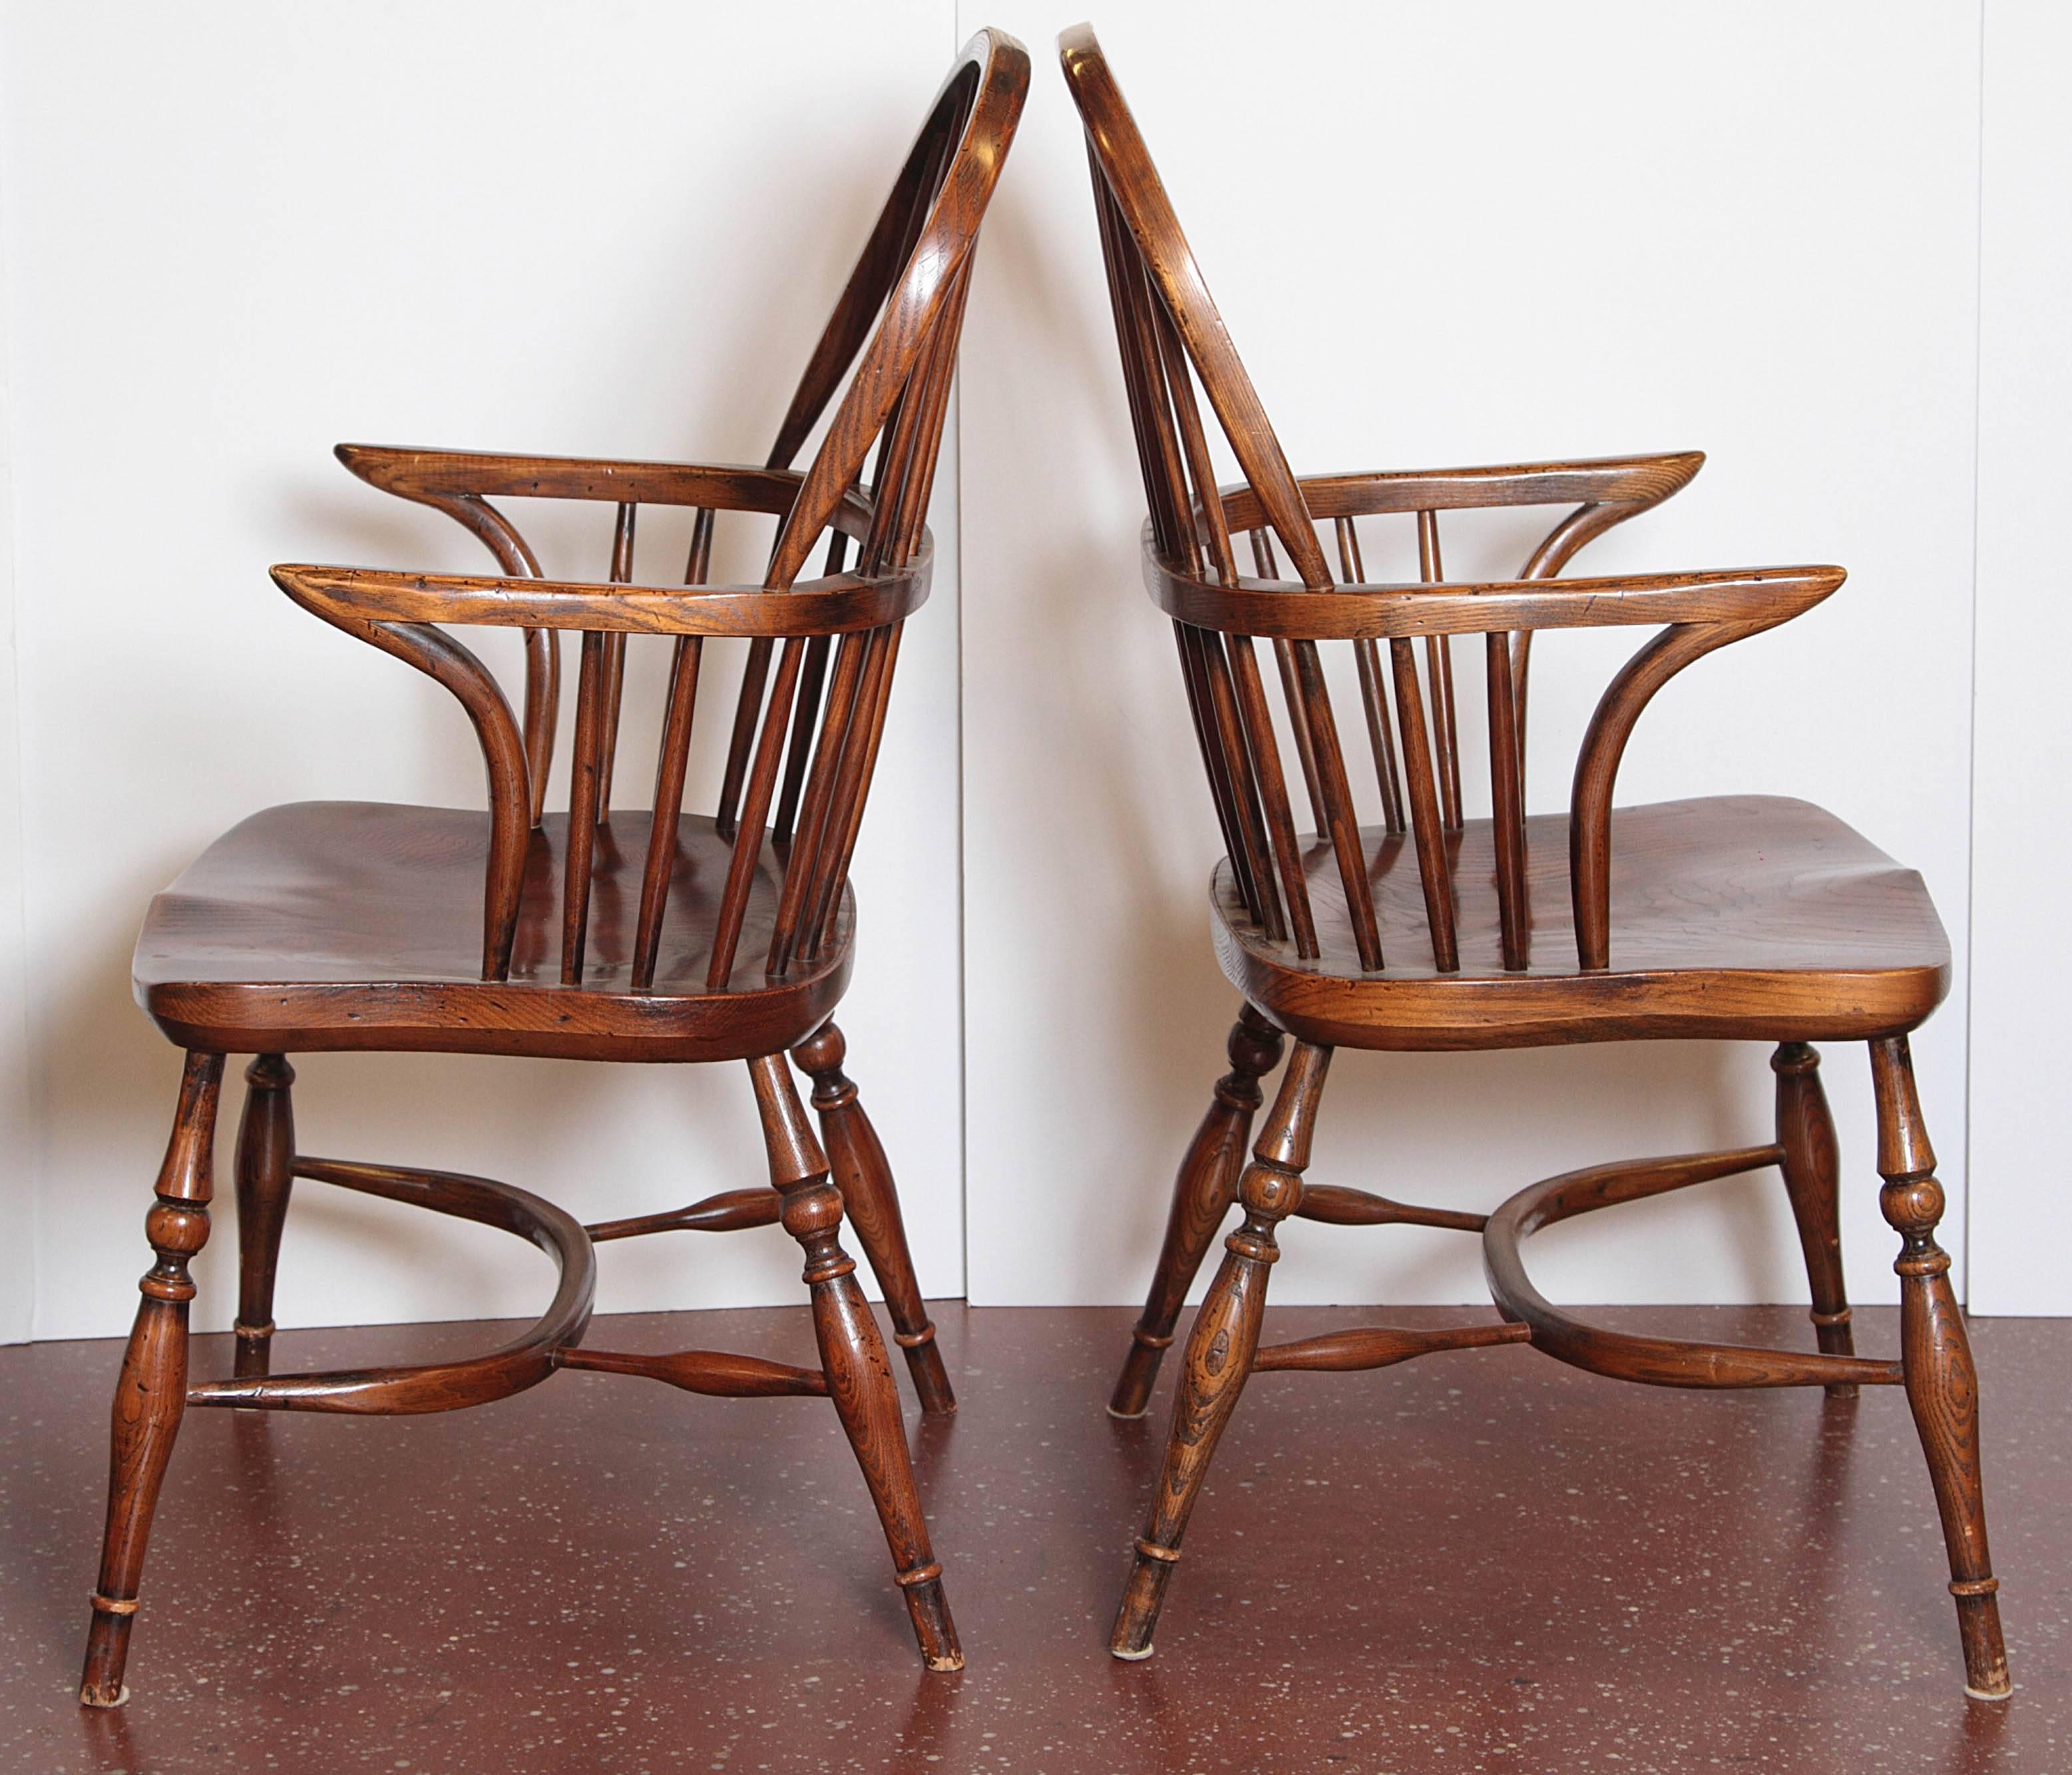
(1473, 1562)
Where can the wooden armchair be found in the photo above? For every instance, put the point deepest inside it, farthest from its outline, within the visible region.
(597, 934)
(1739, 917)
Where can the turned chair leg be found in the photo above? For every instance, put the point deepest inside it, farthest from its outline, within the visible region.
(266, 1170)
(864, 1179)
(151, 1394)
(852, 1355)
(1203, 1193)
(1811, 1179)
(1942, 1385)
(1225, 1339)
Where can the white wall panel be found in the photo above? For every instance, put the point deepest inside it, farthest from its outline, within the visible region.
(1445, 234)
(2021, 1048)
(237, 233)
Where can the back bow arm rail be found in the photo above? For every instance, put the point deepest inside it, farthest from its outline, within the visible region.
(462, 483)
(399, 613)
(1700, 612)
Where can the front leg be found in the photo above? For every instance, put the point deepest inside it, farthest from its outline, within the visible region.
(852, 1356)
(1202, 1196)
(151, 1394)
(1223, 1343)
(1942, 1384)
(863, 1175)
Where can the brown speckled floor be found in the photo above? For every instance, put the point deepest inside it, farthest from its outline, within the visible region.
(1477, 1561)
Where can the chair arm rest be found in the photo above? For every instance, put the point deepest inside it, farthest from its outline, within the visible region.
(435, 476)
(1764, 595)
(1638, 481)
(838, 604)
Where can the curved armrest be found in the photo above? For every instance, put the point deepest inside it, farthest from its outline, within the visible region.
(840, 604)
(437, 477)
(1638, 481)
(1764, 595)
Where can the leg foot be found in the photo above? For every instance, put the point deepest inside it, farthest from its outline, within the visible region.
(1221, 1347)
(1812, 1179)
(1942, 1384)
(864, 1179)
(852, 1356)
(266, 1168)
(151, 1395)
(1202, 1194)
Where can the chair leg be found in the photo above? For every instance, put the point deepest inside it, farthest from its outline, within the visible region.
(864, 1179)
(1202, 1195)
(266, 1168)
(151, 1394)
(1812, 1178)
(852, 1355)
(1224, 1341)
(1942, 1385)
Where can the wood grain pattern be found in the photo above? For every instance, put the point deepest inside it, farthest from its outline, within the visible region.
(603, 934)
(1811, 1168)
(265, 1175)
(1941, 1381)
(1221, 1347)
(1202, 1196)
(1735, 917)
(150, 1393)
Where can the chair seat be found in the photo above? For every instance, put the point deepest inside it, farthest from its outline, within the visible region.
(344, 924)
(1733, 916)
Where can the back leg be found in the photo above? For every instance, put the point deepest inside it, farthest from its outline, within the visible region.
(852, 1356)
(864, 1178)
(266, 1171)
(151, 1392)
(1203, 1193)
(1812, 1178)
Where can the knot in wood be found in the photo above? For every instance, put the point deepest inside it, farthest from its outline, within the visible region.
(176, 1228)
(1912, 1206)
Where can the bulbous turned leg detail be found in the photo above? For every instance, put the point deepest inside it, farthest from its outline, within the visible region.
(265, 1172)
(864, 1178)
(1812, 1169)
(1942, 1384)
(1223, 1343)
(151, 1394)
(852, 1356)
(1203, 1193)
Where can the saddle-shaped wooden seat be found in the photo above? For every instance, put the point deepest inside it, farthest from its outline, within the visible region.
(1729, 915)
(325, 925)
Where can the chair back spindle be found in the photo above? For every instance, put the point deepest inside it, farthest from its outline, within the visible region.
(1177, 362)
(799, 765)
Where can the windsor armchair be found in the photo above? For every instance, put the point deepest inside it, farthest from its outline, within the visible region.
(1743, 917)
(599, 934)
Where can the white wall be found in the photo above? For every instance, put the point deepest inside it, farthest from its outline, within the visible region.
(1445, 234)
(2021, 1049)
(232, 234)
(238, 233)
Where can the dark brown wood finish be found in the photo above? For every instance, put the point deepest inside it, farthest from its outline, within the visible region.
(603, 934)
(1738, 918)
